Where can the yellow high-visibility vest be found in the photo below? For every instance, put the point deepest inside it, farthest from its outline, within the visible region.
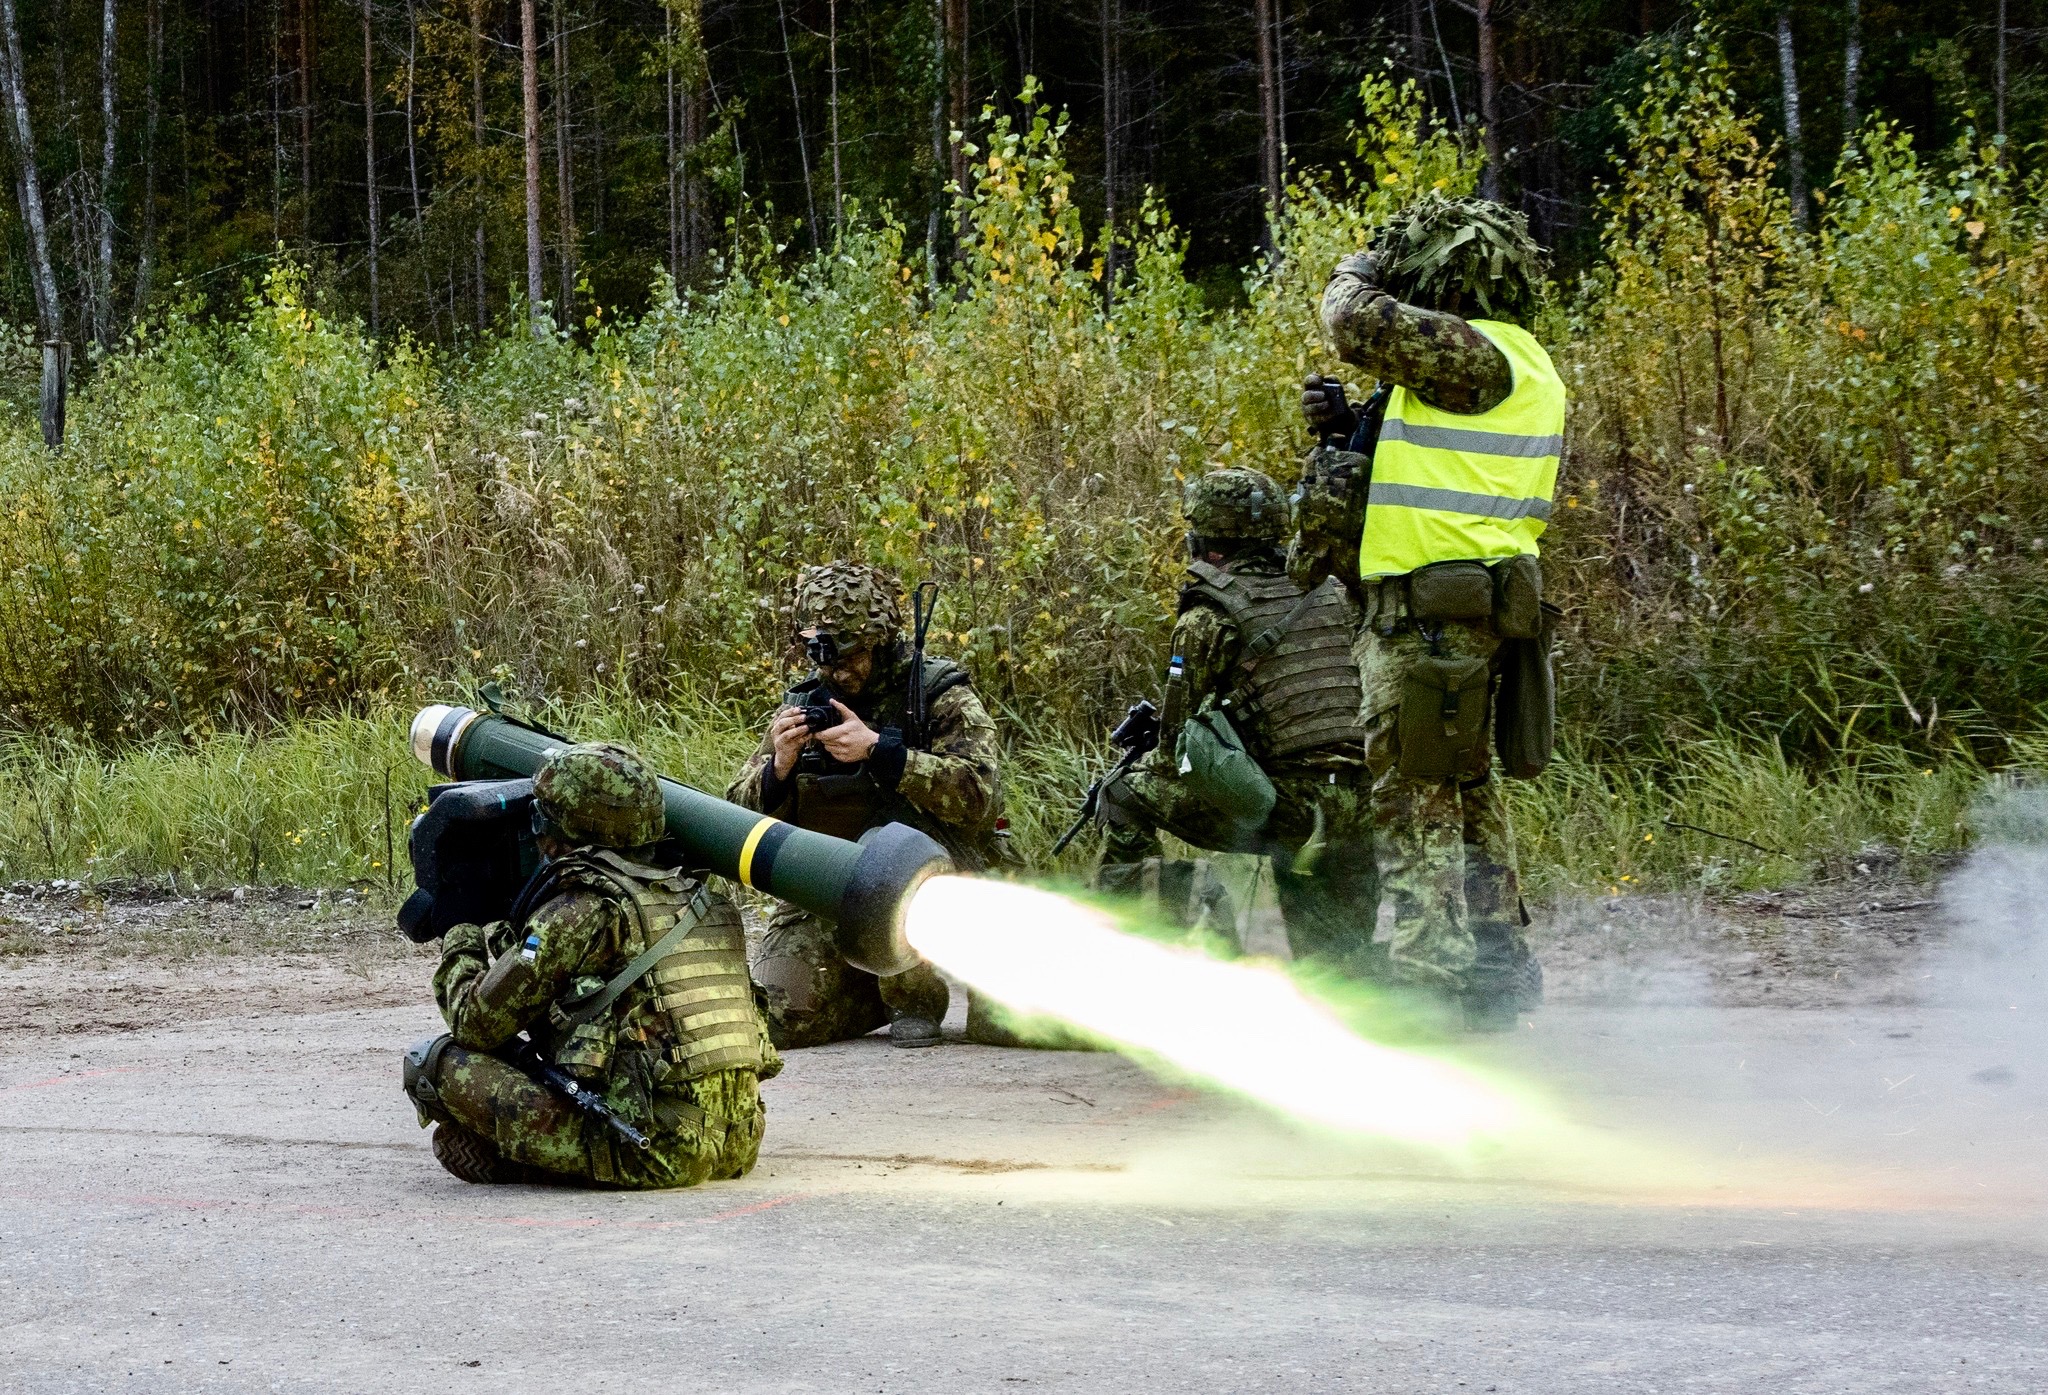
(1458, 486)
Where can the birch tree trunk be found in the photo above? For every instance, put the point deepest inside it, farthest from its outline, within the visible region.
(1795, 136)
(957, 9)
(529, 82)
(838, 182)
(476, 77)
(2001, 77)
(42, 276)
(674, 170)
(306, 122)
(103, 278)
(796, 102)
(1852, 67)
(942, 19)
(1112, 133)
(376, 214)
(692, 114)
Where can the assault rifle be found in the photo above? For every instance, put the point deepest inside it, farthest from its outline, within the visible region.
(1135, 735)
(521, 1053)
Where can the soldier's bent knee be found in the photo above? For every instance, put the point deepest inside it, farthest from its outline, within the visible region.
(421, 1072)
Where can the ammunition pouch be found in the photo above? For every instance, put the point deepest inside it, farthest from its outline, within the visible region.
(1220, 772)
(1525, 705)
(1441, 724)
(1518, 597)
(1443, 592)
(1509, 593)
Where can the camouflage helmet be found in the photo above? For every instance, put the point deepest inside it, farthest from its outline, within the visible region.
(600, 793)
(1235, 503)
(1477, 249)
(850, 601)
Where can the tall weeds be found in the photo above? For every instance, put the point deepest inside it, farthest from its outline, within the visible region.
(1801, 494)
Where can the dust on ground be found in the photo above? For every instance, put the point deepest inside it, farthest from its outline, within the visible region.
(131, 955)
(1861, 941)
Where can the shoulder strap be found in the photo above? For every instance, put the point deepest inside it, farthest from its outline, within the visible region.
(1219, 588)
(1262, 644)
(646, 959)
(940, 676)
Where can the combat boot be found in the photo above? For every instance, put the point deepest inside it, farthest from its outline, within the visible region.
(1492, 1009)
(473, 1158)
(909, 1031)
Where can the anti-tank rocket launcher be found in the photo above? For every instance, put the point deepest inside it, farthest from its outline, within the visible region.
(473, 847)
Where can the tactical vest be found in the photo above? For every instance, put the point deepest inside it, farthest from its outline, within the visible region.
(1295, 689)
(1466, 486)
(694, 1007)
(840, 799)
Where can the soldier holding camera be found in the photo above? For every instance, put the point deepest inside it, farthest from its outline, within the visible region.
(877, 734)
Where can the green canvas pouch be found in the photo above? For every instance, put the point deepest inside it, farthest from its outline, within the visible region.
(1442, 720)
(1450, 591)
(1518, 597)
(1221, 773)
(1525, 705)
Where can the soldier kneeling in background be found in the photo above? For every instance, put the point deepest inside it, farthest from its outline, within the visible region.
(1262, 662)
(875, 735)
(629, 978)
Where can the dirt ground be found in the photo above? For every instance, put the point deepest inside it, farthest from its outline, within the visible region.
(1782, 1154)
(126, 956)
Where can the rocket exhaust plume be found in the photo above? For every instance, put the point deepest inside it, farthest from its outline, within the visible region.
(1243, 1026)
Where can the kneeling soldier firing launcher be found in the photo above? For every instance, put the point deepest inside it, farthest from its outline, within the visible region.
(642, 1048)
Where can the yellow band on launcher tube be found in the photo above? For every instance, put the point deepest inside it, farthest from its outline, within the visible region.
(754, 836)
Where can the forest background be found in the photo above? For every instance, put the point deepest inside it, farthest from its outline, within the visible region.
(417, 344)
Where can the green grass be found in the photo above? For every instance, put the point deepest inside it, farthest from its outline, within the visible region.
(326, 803)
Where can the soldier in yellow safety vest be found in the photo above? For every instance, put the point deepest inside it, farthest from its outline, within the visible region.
(1429, 498)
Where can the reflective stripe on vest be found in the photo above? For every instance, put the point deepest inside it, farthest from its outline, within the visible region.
(1457, 486)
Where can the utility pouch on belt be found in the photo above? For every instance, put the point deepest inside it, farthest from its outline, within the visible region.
(1445, 591)
(1219, 771)
(1518, 597)
(1525, 706)
(1443, 716)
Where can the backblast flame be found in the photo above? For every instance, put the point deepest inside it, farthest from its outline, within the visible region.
(1244, 1026)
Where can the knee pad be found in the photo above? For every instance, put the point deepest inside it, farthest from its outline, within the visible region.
(422, 1066)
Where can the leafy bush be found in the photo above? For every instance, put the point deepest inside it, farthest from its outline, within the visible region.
(1800, 507)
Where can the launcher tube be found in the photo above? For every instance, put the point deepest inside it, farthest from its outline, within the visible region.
(861, 887)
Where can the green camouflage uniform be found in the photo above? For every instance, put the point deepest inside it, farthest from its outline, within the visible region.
(679, 1054)
(1327, 897)
(1445, 848)
(951, 790)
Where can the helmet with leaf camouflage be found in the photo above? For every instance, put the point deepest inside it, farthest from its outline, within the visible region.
(1475, 250)
(1235, 503)
(600, 793)
(853, 603)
